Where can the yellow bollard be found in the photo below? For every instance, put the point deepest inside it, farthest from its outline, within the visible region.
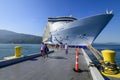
(108, 56)
(109, 67)
(16, 55)
(18, 51)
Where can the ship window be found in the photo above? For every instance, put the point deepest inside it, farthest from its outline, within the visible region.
(84, 34)
(67, 37)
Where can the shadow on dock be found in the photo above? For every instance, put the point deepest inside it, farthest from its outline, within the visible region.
(57, 57)
(34, 59)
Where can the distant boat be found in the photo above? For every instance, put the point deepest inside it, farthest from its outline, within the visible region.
(75, 32)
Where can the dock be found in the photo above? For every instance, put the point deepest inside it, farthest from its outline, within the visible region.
(58, 66)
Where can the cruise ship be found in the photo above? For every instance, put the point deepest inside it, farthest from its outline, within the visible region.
(75, 32)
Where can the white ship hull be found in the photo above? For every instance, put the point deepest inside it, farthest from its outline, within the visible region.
(78, 32)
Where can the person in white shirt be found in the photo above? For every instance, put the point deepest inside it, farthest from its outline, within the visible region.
(66, 48)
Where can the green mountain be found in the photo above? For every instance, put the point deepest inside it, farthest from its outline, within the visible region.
(13, 37)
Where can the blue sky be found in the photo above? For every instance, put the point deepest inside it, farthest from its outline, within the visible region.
(30, 16)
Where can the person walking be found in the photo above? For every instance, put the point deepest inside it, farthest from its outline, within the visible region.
(61, 45)
(66, 48)
(42, 49)
(46, 50)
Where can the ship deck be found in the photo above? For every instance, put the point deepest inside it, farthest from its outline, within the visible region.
(58, 66)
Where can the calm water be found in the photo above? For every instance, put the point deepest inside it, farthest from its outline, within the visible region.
(8, 49)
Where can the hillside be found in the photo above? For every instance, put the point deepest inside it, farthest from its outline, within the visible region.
(12, 37)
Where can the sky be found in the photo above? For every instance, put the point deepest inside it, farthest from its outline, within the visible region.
(30, 16)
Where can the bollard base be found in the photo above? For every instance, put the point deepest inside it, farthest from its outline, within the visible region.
(77, 70)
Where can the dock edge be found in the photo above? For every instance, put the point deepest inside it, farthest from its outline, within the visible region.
(93, 70)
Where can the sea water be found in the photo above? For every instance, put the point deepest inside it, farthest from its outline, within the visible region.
(8, 49)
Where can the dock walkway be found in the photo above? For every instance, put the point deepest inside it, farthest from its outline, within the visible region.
(58, 66)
